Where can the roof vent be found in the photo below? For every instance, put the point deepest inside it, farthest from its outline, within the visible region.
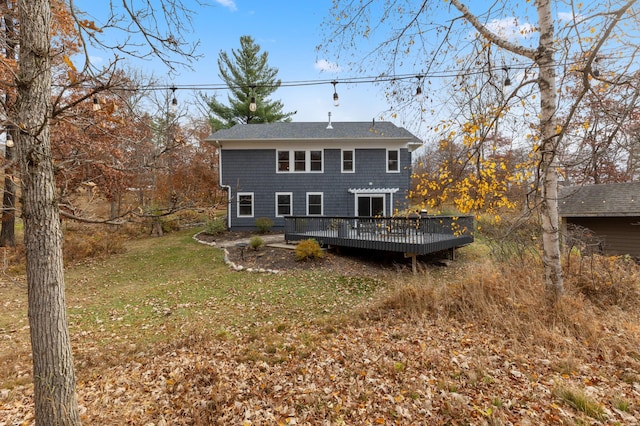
(329, 126)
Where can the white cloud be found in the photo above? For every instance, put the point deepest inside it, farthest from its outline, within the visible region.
(228, 3)
(326, 66)
(510, 28)
(569, 17)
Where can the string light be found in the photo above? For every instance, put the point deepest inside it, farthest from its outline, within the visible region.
(596, 71)
(507, 80)
(419, 88)
(253, 106)
(336, 101)
(9, 142)
(174, 101)
(96, 103)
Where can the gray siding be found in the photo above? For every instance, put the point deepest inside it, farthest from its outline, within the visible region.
(255, 171)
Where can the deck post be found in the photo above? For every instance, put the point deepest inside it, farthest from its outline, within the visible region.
(414, 262)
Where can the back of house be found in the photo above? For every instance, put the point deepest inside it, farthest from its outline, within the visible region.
(342, 169)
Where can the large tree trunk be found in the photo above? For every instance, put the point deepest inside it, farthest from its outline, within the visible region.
(53, 375)
(548, 149)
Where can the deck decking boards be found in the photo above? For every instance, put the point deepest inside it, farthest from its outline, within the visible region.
(405, 235)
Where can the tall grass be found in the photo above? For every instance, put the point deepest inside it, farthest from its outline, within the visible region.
(508, 298)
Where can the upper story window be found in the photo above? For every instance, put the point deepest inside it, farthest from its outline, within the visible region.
(283, 161)
(348, 163)
(393, 160)
(300, 161)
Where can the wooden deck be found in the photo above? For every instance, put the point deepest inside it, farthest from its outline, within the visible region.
(411, 236)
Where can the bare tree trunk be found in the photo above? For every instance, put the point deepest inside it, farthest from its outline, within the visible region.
(7, 231)
(53, 375)
(543, 56)
(548, 151)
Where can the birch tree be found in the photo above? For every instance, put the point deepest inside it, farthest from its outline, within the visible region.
(433, 37)
(53, 372)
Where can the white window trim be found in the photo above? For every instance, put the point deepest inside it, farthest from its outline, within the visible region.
(387, 160)
(253, 202)
(369, 195)
(307, 160)
(321, 194)
(278, 161)
(290, 194)
(353, 160)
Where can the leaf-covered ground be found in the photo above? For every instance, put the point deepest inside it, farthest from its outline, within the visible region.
(363, 358)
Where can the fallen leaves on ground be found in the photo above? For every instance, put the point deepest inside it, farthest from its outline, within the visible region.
(391, 371)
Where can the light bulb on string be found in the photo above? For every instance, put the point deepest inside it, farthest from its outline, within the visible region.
(507, 80)
(336, 99)
(253, 106)
(174, 100)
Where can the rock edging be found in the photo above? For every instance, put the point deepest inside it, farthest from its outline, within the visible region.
(234, 266)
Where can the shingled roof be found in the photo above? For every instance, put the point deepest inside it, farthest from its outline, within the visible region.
(616, 199)
(315, 131)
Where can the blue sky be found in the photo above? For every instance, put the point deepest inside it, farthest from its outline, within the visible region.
(289, 30)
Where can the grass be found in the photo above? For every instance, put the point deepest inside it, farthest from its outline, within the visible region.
(160, 289)
(581, 402)
(460, 337)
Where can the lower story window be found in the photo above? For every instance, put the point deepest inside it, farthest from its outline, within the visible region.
(314, 203)
(283, 204)
(245, 204)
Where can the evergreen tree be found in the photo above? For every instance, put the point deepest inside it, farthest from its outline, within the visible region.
(248, 76)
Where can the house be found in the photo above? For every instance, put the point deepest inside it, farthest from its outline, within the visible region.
(313, 169)
(609, 212)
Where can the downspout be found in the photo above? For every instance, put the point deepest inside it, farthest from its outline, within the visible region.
(224, 187)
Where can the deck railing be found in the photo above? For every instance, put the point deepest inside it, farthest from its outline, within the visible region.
(408, 234)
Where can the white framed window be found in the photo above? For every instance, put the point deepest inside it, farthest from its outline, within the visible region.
(393, 160)
(300, 161)
(284, 204)
(283, 161)
(245, 204)
(314, 204)
(348, 161)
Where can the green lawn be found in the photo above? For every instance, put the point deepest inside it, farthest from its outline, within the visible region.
(162, 289)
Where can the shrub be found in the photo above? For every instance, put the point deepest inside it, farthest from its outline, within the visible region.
(215, 226)
(264, 224)
(78, 246)
(308, 249)
(256, 243)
